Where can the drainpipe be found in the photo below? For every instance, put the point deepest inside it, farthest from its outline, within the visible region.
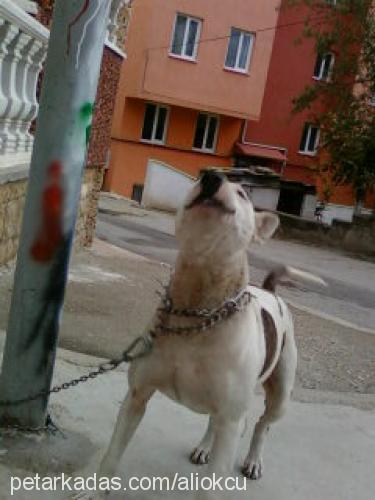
(69, 88)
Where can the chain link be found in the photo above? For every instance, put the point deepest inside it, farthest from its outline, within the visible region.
(49, 428)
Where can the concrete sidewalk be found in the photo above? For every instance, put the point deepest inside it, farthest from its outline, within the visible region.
(322, 450)
(317, 451)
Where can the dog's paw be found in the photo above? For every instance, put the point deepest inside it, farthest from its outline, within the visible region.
(200, 456)
(253, 469)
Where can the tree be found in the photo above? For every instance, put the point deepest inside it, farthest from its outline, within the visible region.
(341, 104)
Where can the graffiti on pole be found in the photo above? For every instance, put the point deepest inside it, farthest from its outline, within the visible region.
(86, 113)
(75, 21)
(50, 233)
(46, 325)
(51, 244)
(85, 26)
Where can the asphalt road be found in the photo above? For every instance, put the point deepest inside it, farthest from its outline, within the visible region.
(350, 296)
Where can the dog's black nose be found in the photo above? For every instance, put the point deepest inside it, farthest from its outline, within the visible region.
(211, 182)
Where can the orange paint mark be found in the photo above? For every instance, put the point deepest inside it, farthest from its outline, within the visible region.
(51, 233)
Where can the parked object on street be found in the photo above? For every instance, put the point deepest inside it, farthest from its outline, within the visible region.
(318, 213)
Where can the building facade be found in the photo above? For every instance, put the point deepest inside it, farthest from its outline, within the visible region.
(195, 72)
(295, 65)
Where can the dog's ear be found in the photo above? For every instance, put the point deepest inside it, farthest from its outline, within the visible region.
(265, 225)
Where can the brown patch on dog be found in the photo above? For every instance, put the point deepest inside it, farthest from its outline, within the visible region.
(283, 342)
(270, 338)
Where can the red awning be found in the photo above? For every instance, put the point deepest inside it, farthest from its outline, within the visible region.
(261, 151)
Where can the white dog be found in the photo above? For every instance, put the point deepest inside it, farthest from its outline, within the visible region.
(214, 372)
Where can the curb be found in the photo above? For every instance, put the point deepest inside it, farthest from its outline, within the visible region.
(329, 317)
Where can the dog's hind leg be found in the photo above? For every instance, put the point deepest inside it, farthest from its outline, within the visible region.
(201, 454)
(130, 415)
(278, 389)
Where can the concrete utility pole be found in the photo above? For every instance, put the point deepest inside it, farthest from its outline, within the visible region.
(69, 90)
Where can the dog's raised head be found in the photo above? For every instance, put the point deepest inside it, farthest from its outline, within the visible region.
(218, 219)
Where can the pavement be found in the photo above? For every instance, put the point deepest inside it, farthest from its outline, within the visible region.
(322, 449)
(318, 451)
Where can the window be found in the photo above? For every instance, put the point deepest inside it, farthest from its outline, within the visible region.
(324, 66)
(155, 123)
(372, 100)
(206, 132)
(310, 139)
(331, 2)
(186, 37)
(239, 50)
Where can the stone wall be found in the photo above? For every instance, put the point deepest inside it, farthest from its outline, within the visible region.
(357, 237)
(86, 223)
(100, 139)
(12, 198)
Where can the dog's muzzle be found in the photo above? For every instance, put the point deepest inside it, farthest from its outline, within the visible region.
(210, 183)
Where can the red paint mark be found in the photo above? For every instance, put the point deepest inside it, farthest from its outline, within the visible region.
(75, 20)
(51, 233)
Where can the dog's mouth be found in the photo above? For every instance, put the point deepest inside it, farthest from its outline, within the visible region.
(213, 202)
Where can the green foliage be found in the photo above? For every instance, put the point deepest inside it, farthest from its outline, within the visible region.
(348, 120)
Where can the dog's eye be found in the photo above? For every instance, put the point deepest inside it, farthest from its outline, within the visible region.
(242, 194)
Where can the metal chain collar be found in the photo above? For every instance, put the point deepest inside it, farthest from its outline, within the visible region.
(142, 346)
(211, 317)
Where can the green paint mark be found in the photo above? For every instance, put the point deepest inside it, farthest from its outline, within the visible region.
(86, 112)
(88, 134)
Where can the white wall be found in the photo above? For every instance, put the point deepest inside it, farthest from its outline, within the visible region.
(339, 212)
(165, 188)
(265, 198)
(308, 206)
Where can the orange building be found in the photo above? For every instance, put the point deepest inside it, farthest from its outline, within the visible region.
(195, 72)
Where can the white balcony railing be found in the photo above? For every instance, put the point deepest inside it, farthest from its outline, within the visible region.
(23, 48)
(118, 25)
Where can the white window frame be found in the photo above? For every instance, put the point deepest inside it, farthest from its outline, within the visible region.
(186, 34)
(155, 124)
(236, 67)
(203, 149)
(308, 137)
(320, 78)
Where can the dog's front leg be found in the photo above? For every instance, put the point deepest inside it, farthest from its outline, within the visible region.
(130, 415)
(201, 454)
(222, 455)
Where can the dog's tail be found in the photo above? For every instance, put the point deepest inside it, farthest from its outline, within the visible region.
(285, 272)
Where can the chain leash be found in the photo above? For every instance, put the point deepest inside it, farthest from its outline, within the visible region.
(141, 347)
(127, 357)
